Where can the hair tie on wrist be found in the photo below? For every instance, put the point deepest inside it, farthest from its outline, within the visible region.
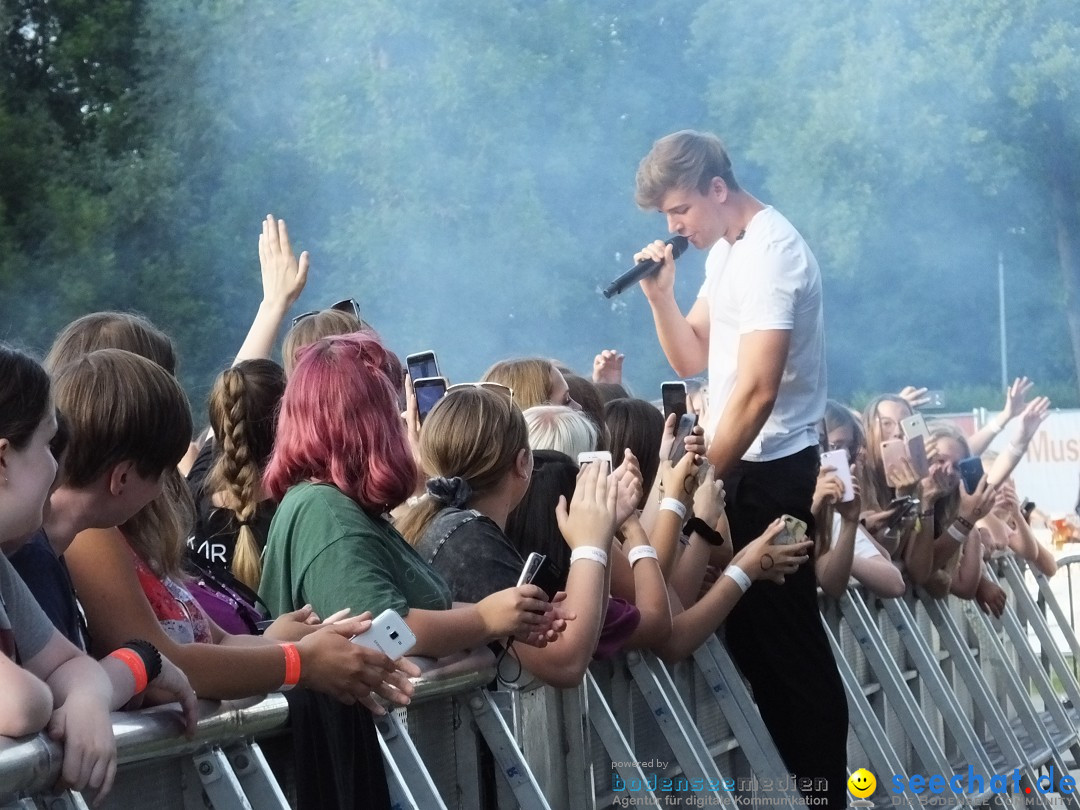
(451, 491)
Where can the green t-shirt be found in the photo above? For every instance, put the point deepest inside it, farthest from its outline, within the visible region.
(324, 550)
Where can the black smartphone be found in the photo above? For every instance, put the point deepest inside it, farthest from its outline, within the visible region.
(971, 472)
(673, 395)
(422, 364)
(904, 506)
(429, 390)
(687, 422)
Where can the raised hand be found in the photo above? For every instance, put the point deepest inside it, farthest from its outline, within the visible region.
(628, 480)
(1033, 415)
(661, 283)
(978, 503)
(283, 275)
(1015, 399)
(607, 367)
(589, 518)
(709, 497)
(915, 397)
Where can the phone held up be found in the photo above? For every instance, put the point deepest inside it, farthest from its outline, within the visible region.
(422, 364)
(794, 531)
(971, 472)
(673, 396)
(838, 460)
(687, 423)
(428, 390)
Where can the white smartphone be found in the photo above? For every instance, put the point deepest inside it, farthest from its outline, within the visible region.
(532, 566)
(839, 460)
(594, 455)
(915, 425)
(388, 634)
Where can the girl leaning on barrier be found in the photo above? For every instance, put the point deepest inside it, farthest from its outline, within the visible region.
(475, 446)
(55, 686)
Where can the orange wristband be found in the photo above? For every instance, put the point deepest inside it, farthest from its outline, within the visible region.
(134, 663)
(292, 666)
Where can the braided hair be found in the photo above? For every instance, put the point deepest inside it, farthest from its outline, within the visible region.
(243, 413)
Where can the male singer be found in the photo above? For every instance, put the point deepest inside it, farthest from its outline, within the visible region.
(757, 326)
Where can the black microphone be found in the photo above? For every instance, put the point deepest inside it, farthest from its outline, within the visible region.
(646, 267)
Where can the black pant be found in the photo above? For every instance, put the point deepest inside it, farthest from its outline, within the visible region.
(776, 637)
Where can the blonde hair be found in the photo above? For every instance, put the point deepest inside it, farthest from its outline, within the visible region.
(312, 329)
(557, 427)
(529, 377)
(243, 414)
(473, 434)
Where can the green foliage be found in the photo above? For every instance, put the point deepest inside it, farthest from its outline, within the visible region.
(465, 170)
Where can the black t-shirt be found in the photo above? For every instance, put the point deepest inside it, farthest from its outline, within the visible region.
(216, 528)
(47, 577)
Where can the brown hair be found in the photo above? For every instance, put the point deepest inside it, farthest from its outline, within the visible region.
(243, 414)
(877, 494)
(683, 160)
(122, 407)
(473, 434)
(111, 330)
(529, 377)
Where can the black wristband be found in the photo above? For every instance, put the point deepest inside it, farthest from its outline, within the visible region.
(696, 525)
(150, 656)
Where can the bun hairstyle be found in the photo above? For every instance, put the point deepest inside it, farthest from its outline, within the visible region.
(24, 396)
(243, 415)
(471, 434)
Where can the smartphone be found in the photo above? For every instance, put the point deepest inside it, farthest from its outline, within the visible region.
(794, 531)
(892, 451)
(904, 507)
(915, 425)
(429, 390)
(594, 455)
(839, 459)
(971, 472)
(935, 399)
(916, 451)
(686, 425)
(532, 567)
(422, 364)
(673, 395)
(1026, 508)
(388, 634)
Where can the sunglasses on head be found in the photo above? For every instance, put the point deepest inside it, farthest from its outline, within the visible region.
(348, 305)
(498, 388)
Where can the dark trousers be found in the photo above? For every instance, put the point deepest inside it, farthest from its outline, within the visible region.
(776, 637)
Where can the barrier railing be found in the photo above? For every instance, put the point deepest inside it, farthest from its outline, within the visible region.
(934, 687)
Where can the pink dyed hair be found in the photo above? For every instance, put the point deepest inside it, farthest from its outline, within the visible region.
(339, 424)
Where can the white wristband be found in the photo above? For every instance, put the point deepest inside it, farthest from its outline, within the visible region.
(739, 577)
(995, 426)
(1016, 450)
(674, 505)
(956, 534)
(640, 552)
(593, 553)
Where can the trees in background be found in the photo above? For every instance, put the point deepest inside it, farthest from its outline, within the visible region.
(465, 170)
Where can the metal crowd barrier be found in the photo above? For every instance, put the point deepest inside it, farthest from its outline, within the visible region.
(933, 686)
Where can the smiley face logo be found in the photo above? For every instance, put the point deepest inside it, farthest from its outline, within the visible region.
(861, 783)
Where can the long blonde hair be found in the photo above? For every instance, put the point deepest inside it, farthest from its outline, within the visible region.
(529, 377)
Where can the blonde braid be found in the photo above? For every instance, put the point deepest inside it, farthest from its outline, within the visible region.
(236, 474)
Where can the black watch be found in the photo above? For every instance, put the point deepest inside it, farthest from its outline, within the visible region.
(696, 525)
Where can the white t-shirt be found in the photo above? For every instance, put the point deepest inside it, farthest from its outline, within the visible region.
(864, 546)
(768, 280)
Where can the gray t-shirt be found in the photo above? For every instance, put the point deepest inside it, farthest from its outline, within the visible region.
(24, 627)
(471, 552)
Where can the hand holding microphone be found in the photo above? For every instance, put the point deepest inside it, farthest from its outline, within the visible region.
(652, 259)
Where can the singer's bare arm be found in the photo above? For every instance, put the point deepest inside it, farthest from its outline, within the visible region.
(761, 361)
(684, 339)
